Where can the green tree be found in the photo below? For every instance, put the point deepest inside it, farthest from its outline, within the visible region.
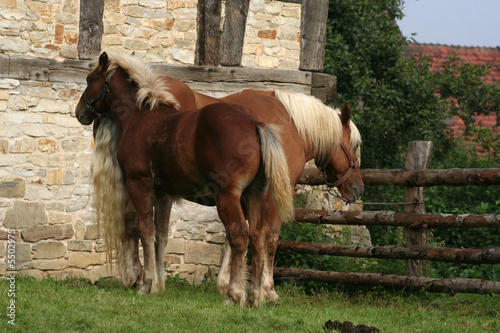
(397, 98)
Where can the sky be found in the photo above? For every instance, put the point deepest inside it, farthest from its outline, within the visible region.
(452, 22)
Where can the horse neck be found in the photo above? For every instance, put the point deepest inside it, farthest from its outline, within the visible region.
(122, 99)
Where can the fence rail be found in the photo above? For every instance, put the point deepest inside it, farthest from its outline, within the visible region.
(394, 281)
(397, 219)
(416, 253)
(424, 177)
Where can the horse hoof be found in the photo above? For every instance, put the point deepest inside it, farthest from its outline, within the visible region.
(272, 296)
(144, 289)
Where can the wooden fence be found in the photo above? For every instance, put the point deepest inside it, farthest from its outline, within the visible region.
(416, 253)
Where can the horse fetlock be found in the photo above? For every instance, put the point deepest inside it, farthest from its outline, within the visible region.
(237, 296)
(255, 296)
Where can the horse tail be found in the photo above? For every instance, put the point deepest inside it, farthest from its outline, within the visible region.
(109, 193)
(276, 170)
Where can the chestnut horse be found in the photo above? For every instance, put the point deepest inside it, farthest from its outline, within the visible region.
(309, 130)
(149, 151)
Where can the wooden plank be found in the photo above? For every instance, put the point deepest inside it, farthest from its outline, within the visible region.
(425, 178)
(232, 74)
(324, 87)
(208, 42)
(412, 252)
(397, 219)
(233, 33)
(416, 158)
(91, 28)
(24, 67)
(450, 286)
(431, 177)
(205, 78)
(314, 16)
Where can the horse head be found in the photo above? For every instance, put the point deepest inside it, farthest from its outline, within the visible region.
(94, 101)
(342, 168)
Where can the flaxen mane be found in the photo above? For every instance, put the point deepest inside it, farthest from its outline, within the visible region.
(317, 123)
(152, 88)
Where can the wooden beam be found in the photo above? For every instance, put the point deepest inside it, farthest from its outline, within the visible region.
(412, 252)
(416, 158)
(91, 28)
(233, 33)
(397, 219)
(208, 42)
(313, 22)
(425, 178)
(324, 87)
(414, 283)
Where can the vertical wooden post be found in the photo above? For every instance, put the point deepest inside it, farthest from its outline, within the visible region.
(313, 24)
(416, 158)
(90, 28)
(208, 42)
(233, 33)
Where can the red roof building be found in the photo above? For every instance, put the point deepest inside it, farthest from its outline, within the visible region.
(472, 55)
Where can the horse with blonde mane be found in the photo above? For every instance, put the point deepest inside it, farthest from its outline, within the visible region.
(309, 129)
(150, 153)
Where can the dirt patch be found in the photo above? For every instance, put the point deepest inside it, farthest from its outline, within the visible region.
(348, 327)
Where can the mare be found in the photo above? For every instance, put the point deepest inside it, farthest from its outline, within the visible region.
(309, 129)
(149, 153)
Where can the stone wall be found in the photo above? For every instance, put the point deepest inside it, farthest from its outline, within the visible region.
(46, 154)
(161, 31)
(45, 163)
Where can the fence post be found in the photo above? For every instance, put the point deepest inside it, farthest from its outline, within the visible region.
(416, 158)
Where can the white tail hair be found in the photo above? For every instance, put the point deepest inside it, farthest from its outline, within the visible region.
(109, 194)
(277, 173)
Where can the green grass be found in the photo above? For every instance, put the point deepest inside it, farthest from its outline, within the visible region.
(79, 306)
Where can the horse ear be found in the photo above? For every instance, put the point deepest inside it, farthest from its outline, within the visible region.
(103, 60)
(345, 114)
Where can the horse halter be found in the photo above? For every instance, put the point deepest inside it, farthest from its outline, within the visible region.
(104, 94)
(352, 165)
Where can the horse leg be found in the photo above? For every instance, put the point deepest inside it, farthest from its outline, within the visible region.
(271, 243)
(141, 195)
(130, 265)
(231, 214)
(257, 225)
(224, 272)
(162, 218)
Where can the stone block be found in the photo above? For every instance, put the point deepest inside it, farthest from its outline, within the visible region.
(9, 130)
(176, 246)
(83, 260)
(203, 253)
(50, 265)
(47, 145)
(23, 145)
(37, 192)
(2, 249)
(172, 260)
(56, 217)
(215, 227)
(25, 215)
(216, 238)
(59, 231)
(190, 230)
(74, 205)
(48, 250)
(80, 245)
(14, 188)
(91, 232)
(23, 253)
